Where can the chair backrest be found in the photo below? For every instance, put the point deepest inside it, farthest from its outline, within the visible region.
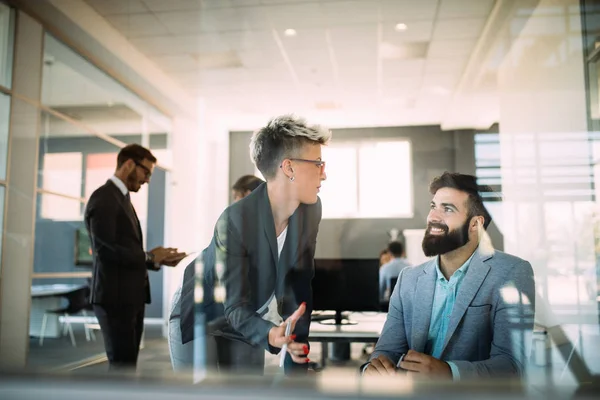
(393, 282)
(78, 300)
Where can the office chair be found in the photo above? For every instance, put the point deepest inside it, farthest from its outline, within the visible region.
(78, 301)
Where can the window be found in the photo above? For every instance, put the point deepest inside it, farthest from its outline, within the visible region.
(368, 179)
(62, 174)
(7, 23)
(4, 118)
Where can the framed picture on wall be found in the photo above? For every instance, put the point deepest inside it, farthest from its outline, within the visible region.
(83, 247)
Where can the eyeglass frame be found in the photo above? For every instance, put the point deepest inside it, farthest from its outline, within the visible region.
(148, 172)
(317, 163)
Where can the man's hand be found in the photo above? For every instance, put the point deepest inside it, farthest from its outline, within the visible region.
(277, 338)
(174, 259)
(380, 366)
(425, 366)
(166, 255)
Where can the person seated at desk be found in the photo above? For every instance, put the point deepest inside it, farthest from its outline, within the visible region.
(467, 313)
(182, 329)
(384, 257)
(391, 269)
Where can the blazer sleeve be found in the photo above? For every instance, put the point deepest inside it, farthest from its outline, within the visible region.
(393, 342)
(240, 312)
(512, 329)
(302, 329)
(102, 221)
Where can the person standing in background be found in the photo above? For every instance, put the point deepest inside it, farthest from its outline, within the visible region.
(120, 286)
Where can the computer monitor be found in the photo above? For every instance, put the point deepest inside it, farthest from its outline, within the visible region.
(346, 285)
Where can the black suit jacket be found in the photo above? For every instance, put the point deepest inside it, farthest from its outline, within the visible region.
(244, 242)
(120, 276)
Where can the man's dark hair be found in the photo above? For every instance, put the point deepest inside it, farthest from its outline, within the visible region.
(247, 182)
(134, 152)
(467, 184)
(396, 248)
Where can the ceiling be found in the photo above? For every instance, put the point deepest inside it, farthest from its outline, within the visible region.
(348, 64)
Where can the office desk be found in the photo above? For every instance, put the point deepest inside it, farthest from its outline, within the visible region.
(366, 330)
(48, 297)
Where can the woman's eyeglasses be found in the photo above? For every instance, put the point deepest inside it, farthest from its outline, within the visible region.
(318, 163)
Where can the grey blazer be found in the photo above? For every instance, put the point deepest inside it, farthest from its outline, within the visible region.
(244, 241)
(489, 332)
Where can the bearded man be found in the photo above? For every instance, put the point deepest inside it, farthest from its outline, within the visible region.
(468, 312)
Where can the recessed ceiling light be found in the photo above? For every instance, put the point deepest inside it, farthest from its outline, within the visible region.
(290, 32)
(401, 27)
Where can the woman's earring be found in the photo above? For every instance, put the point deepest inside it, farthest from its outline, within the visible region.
(292, 179)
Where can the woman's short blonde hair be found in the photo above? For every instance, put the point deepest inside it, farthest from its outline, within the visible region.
(283, 137)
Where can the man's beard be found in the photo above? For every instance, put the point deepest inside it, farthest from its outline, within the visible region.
(132, 181)
(434, 245)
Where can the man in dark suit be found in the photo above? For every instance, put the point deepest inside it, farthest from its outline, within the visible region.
(120, 286)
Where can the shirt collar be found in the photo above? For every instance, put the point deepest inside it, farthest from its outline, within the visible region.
(462, 270)
(119, 183)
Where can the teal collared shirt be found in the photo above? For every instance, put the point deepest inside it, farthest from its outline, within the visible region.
(443, 303)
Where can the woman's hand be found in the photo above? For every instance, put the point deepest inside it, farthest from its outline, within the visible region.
(277, 336)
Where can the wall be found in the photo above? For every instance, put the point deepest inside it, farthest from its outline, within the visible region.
(434, 151)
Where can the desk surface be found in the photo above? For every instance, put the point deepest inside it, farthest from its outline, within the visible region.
(54, 290)
(367, 328)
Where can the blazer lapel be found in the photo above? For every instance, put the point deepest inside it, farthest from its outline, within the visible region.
(422, 305)
(128, 207)
(292, 243)
(475, 276)
(268, 222)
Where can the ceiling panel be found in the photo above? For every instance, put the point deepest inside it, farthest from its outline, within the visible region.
(175, 5)
(353, 12)
(249, 39)
(305, 39)
(348, 37)
(449, 64)
(417, 31)
(296, 16)
(465, 8)
(111, 7)
(450, 48)
(459, 28)
(177, 63)
(260, 57)
(397, 68)
(137, 25)
(406, 10)
(174, 45)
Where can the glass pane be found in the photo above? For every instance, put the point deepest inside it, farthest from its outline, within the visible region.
(57, 232)
(61, 173)
(2, 190)
(74, 87)
(4, 124)
(7, 24)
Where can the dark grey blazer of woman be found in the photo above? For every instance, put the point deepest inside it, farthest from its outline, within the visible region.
(244, 240)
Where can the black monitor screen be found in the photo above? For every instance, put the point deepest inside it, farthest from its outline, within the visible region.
(346, 285)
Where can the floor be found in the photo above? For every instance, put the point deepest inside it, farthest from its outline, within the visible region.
(567, 363)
